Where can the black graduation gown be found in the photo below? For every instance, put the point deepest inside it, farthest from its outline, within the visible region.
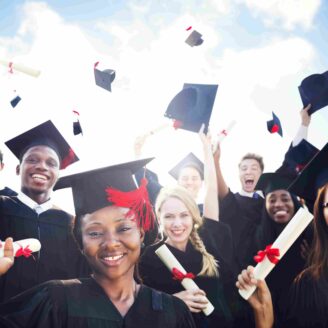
(7, 192)
(243, 215)
(307, 305)
(59, 257)
(220, 291)
(82, 303)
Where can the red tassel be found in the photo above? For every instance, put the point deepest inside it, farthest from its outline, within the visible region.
(26, 252)
(177, 124)
(68, 159)
(275, 128)
(137, 201)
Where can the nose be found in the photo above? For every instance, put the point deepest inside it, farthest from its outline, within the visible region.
(110, 241)
(42, 165)
(176, 222)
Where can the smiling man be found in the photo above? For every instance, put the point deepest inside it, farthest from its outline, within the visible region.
(42, 152)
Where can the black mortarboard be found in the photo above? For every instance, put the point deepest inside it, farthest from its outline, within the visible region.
(77, 129)
(269, 182)
(274, 125)
(297, 157)
(314, 91)
(194, 39)
(44, 134)
(189, 161)
(193, 106)
(15, 101)
(104, 78)
(89, 188)
(313, 176)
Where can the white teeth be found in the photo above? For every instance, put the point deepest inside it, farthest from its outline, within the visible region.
(113, 258)
(38, 176)
(281, 212)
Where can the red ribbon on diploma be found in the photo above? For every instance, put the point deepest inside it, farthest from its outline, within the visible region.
(26, 252)
(271, 254)
(177, 124)
(224, 132)
(178, 275)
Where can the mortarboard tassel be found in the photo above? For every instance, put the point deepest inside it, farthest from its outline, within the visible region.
(68, 159)
(137, 201)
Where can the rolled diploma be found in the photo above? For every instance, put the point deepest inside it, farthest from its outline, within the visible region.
(158, 128)
(21, 68)
(286, 239)
(33, 244)
(171, 262)
(227, 131)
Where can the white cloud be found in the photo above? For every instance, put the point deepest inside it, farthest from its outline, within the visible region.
(290, 13)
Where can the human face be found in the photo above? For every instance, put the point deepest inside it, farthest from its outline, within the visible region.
(176, 221)
(190, 179)
(111, 243)
(325, 209)
(39, 170)
(249, 173)
(280, 206)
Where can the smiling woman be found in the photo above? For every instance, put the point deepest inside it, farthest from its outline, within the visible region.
(112, 220)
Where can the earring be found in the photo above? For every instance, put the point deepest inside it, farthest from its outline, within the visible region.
(196, 226)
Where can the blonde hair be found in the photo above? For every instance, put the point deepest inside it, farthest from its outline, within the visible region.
(210, 264)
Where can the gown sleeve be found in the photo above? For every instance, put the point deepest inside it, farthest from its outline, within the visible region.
(40, 307)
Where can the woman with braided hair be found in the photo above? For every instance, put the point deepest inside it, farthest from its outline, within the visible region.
(196, 242)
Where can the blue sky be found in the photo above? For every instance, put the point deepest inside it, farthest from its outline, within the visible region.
(257, 51)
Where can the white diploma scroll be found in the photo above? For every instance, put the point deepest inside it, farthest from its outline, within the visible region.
(31, 244)
(286, 239)
(158, 129)
(20, 68)
(226, 131)
(171, 262)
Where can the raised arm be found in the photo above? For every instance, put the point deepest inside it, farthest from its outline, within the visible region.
(303, 129)
(211, 204)
(260, 301)
(222, 187)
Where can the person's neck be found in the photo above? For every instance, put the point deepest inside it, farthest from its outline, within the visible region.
(39, 198)
(118, 290)
(180, 246)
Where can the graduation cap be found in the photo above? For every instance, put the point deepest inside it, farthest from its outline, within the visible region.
(104, 78)
(297, 157)
(313, 176)
(77, 128)
(45, 134)
(274, 125)
(193, 106)
(314, 91)
(269, 182)
(194, 39)
(15, 101)
(190, 160)
(111, 185)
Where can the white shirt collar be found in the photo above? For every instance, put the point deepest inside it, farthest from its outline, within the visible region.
(250, 194)
(39, 208)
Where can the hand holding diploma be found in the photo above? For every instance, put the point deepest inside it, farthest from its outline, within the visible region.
(7, 259)
(24, 247)
(270, 256)
(180, 274)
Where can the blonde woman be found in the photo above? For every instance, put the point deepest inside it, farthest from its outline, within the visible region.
(202, 245)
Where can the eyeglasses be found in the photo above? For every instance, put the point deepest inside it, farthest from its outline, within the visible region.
(325, 205)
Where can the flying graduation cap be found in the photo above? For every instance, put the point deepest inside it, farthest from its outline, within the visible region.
(45, 134)
(274, 125)
(104, 78)
(190, 160)
(192, 106)
(314, 90)
(194, 39)
(15, 101)
(77, 129)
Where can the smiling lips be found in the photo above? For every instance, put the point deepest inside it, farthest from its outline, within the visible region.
(112, 260)
(39, 177)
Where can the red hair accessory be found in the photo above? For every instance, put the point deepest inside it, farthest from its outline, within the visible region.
(137, 201)
(68, 159)
(178, 275)
(271, 254)
(26, 252)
